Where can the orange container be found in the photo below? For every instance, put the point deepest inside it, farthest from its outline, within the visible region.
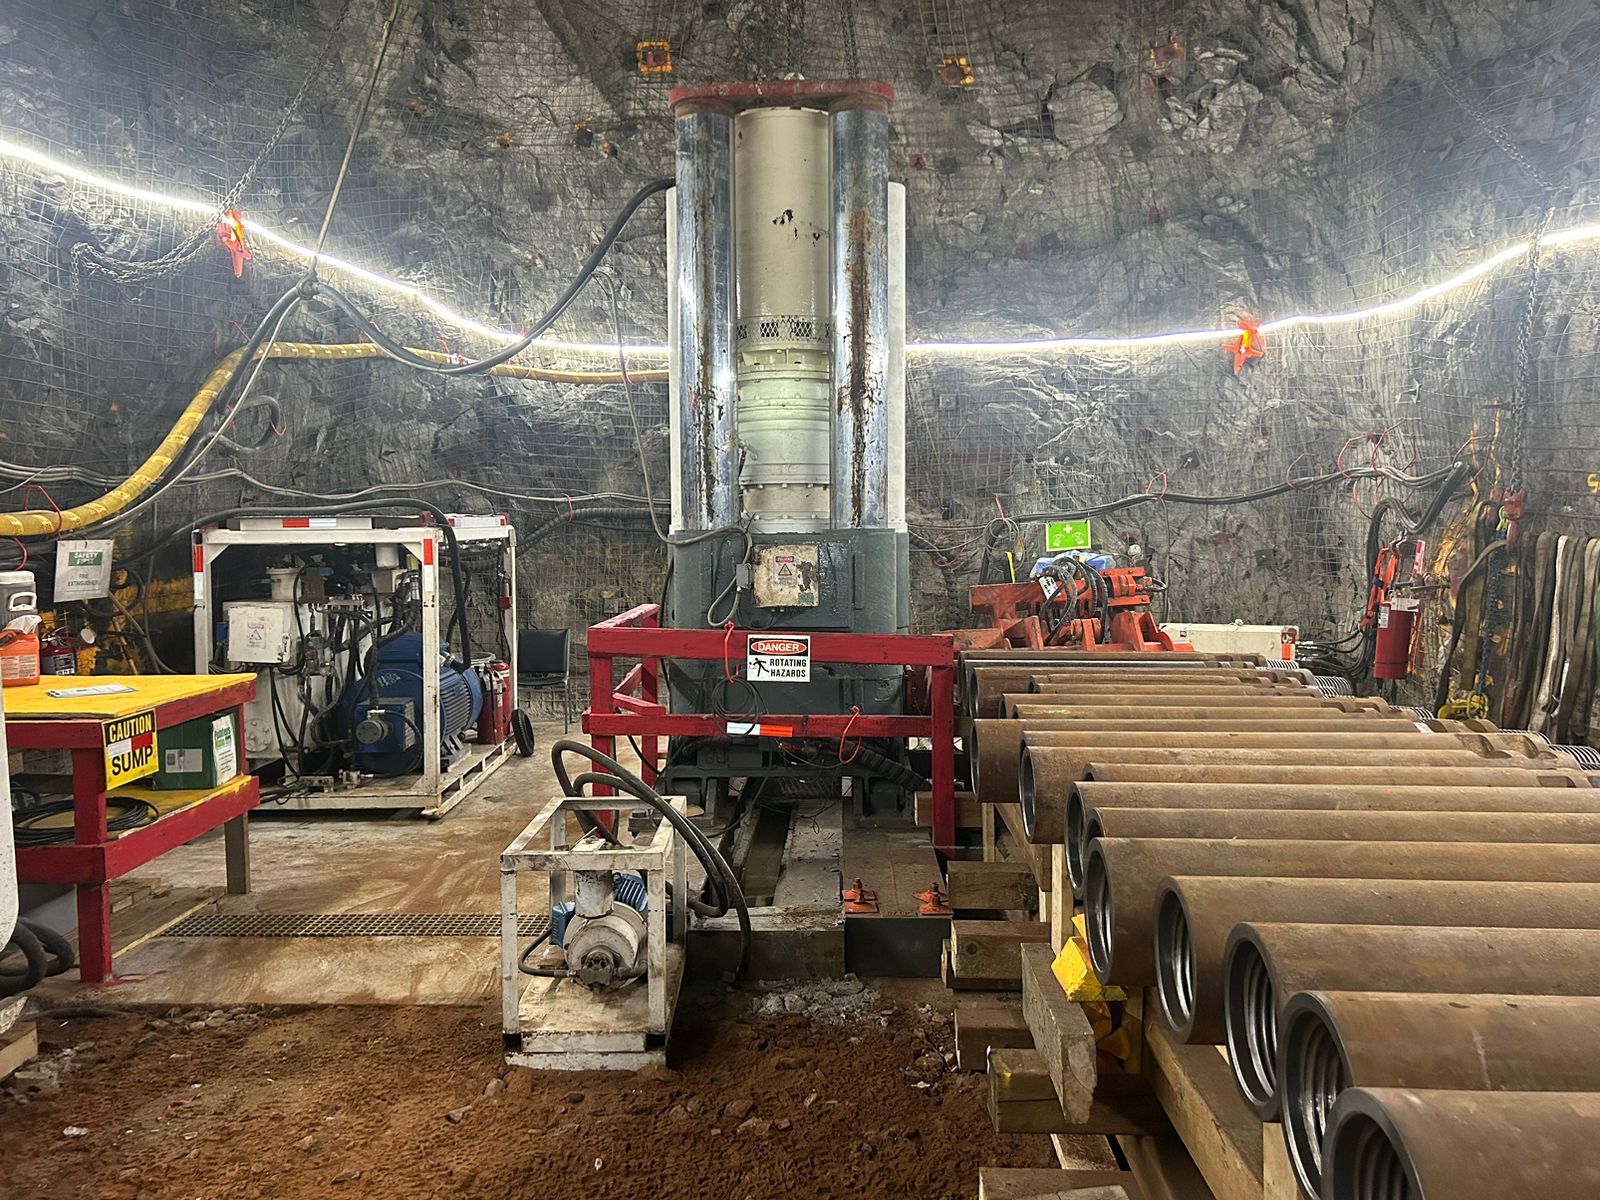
(19, 658)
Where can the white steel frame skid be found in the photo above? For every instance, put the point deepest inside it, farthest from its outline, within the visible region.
(436, 789)
(559, 1024)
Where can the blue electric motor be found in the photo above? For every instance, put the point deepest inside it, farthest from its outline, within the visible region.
(386, 734)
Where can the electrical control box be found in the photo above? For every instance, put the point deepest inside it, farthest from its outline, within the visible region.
(787, 576)
(260, 632)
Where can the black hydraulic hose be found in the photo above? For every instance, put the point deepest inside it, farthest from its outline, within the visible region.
(1441, 692)
(57, 947)
(14, 981)
(477, 367)
(710, 857)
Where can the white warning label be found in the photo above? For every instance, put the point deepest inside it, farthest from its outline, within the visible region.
(786, 659)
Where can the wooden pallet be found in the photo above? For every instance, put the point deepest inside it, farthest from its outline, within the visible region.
(19, 1046)
(1181, 1125)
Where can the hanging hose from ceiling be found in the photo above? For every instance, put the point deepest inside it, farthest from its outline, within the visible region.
(49, 522)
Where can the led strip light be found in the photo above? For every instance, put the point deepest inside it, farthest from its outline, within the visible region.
(1577, 235)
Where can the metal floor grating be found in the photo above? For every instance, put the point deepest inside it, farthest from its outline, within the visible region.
(350, 925)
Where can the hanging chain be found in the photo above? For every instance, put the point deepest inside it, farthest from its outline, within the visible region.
(1495, 131)
(96, 262)
(852, 55)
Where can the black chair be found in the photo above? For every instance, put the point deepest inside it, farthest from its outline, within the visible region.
(544, 663)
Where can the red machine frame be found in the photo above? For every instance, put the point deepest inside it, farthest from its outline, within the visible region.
(1016, 612)
(631, 707)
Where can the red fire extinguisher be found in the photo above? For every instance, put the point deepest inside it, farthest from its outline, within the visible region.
(494, 721)
(1397, 621)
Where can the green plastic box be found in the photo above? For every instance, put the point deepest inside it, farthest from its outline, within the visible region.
(202, 753)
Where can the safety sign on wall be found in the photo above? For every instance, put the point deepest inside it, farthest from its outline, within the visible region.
(83, 570)
(130, 745)
(785, 659)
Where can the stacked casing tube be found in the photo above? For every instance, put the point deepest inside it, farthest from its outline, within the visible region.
(1391, 922)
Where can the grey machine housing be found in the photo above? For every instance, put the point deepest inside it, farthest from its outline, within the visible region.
(786, 329)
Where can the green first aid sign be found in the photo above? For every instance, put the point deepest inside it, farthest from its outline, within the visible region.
(1067, 535)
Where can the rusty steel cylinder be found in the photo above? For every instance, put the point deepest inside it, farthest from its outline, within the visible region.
(1319, 826)
(994, 745)
(1028, 707)
(1333, 797)
(1508, 772)
(983, 686)
(1194, 914)
(1332, 1041)
(1306, 698)
(1430, 1144)
(1045, 774)
(1122, 875)
(1266, 963)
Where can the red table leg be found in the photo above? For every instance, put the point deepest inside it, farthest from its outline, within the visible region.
(94, 899)
(94, 932)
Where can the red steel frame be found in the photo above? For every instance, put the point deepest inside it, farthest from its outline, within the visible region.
(632, 707)
(93, 859)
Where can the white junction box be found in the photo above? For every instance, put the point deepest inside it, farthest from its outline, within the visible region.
(1270, 641)
(260, 632)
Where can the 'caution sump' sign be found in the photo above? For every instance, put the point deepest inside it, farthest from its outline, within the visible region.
(784, 658)
(130, 744)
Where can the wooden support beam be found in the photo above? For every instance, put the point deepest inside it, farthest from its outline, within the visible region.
(19, 1045)
(1055, 903)
(990, 949)
(1026, 852)
(991, 885)
(972, 983)
(1061, 1032)
(1277, 1176)
(984, 1021)
(969, 814)
(1022, 1099)
(1195, 1086)
(1047, 1183)
(1163, 1169)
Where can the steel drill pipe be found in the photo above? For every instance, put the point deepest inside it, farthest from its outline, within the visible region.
(1045, 774)
(983, 686)
(1305, 698)
(1334, 797)
(1266, 963)
(1053, 687)
(1333, 1041)
(996, 744)
(1320, 826)
(1028, 707)
(1106, 770)
(1420, 1144)
(1122, 875)
(1105, 657)
(1194, 914)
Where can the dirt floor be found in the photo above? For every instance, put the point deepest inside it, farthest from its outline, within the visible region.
(417, 1102)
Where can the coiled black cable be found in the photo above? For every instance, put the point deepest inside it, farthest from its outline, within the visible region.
(718, 873)
(479, 366)
(45, 953)
(134, 814)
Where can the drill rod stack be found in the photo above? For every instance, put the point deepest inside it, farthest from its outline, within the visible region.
(1391, 922)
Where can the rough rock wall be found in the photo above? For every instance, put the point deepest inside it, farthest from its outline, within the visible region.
(1112, 168)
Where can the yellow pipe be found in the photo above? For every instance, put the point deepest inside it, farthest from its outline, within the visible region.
(47, 522)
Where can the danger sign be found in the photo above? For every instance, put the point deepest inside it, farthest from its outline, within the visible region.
(785, 659)
(130, 744)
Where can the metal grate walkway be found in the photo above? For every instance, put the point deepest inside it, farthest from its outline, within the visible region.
(349, 925)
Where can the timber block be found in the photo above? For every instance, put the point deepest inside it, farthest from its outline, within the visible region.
(1061, 1032)
(969, 813)
(1037, 856)
(982, 1021)
(1046, 1183)
(989, 949)
(991, 885)
(1195, 1086)
(19, 1046)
